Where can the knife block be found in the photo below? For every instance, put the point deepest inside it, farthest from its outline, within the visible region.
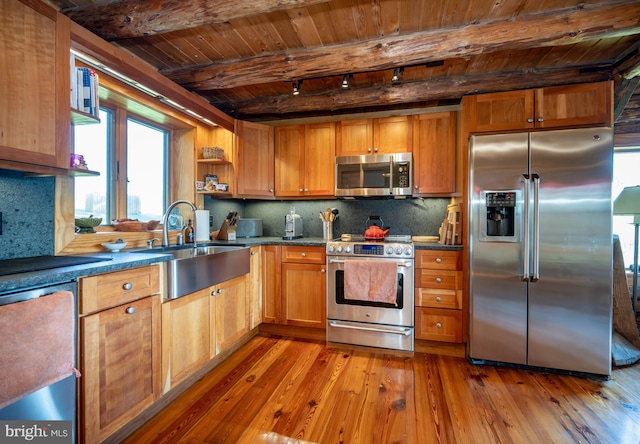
(227, 232)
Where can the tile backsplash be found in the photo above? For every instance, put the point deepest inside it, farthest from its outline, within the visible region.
(403, 216)
(27, 206)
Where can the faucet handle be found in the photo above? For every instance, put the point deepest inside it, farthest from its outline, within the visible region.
(151, 241)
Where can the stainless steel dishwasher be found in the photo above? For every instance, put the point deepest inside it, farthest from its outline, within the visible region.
(57, 401)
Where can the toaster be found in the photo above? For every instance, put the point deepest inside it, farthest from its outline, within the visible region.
(249, 228)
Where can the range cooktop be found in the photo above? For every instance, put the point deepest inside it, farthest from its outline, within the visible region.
(39, 263)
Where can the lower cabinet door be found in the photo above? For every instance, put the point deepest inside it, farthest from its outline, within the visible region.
(438, 324)
(303, 295)
(120, 366)
(185, 336)
(232, 314)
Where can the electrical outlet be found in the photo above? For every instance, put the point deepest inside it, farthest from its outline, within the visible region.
(211, 221)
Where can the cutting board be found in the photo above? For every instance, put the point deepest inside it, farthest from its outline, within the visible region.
(425, 238)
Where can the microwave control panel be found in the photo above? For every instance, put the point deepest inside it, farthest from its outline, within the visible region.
(401, 175)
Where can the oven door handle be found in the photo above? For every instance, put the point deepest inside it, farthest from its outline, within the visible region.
(341, 261)
(404, 331)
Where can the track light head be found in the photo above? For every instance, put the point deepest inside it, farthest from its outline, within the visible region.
(397, 73)
(345, 81)
(296, 87)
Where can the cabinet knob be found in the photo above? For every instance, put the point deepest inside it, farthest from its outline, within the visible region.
(415, 187)
(303, 254)
(130, 310)
(128, 286)
(253, 253)
(438, 325)
(438, 299)
(219, 290)
(271, 190)
(530, 120)
(540, 119)
(322, 271)
(306, 190)
(375, 150)
(438, 260)
(438, 280)
(213, 293)
(368, 150)
(300, 190)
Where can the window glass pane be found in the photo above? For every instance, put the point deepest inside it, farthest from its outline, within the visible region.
(146, 168)
(92, 192)
(625, 174)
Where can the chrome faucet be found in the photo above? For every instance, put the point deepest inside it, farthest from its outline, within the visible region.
(165, 221)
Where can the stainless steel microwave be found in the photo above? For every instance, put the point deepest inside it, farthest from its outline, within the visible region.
(374, 175)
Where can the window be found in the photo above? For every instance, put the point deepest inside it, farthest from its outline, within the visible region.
(625, 174)
(132, 182)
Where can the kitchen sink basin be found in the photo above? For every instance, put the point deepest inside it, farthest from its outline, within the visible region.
(193, 269)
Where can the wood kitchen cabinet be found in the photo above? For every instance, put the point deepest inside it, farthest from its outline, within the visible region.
(35, 112)
(271, 284)
(186, 336)
(374, 136)
(434, 154)
(304, 286)
(304, 160)
(553, 107)
(231, 312)
(254, 287)
(438, 295)
(119, 349)
(223, 168)
(254, 160)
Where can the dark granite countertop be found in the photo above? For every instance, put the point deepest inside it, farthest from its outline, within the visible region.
(128, 259)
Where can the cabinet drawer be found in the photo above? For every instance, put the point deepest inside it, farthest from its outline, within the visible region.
(441, 279)
(439, 259)
(435, 324)
(303, 255)
(438, 298)
(111, 289)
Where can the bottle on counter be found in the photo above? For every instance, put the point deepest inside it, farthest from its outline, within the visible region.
(189, 234)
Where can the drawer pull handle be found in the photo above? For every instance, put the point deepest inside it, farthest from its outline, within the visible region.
(438, 299)
(438, 280)
(438, 325)
(438, 260)
(131, 310)
(303, 254)
(128, 286)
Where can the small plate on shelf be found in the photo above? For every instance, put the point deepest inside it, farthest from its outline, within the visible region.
(114, 247)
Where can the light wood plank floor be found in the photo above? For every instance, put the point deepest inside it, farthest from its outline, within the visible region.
(282, 390)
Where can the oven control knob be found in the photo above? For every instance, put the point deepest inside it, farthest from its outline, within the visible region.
(339, 249)
(331, 248)
(407, 251)
(347, 250)
(399, 250)
(389, 250)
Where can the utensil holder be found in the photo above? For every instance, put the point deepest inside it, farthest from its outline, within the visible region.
(327, 230)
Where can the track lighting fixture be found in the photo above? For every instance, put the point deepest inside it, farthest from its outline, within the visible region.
(296, 87)
(397, 72)
(345, 81)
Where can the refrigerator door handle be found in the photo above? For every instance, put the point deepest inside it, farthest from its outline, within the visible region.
(526, 246)
(536, 229)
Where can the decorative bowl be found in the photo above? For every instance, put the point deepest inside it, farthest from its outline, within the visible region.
(86, 224)
(116, 246)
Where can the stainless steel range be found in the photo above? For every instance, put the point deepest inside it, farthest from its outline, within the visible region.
(370, 292)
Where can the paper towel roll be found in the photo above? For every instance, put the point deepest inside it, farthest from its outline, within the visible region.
(202, 225)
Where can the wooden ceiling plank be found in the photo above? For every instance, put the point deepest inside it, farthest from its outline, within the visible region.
(565, 27)
(127, 19)
(304, 27)
(622, 92)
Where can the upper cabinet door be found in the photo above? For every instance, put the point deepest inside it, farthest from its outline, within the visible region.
(289, 161)
(574, 105)
(434, 154)
(504, 111)
(392, 135)
(35, 112)
(255, 160)
(354, 137)
(319, 159)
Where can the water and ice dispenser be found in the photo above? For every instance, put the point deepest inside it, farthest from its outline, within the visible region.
(501, 208)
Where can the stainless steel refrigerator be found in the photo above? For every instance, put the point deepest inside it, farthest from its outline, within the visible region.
(540, 249)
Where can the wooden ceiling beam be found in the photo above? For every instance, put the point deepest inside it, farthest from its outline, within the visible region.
(552, 28)
(122, 19)
(405, 93)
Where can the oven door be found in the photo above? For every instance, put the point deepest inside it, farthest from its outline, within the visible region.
(368, 323)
